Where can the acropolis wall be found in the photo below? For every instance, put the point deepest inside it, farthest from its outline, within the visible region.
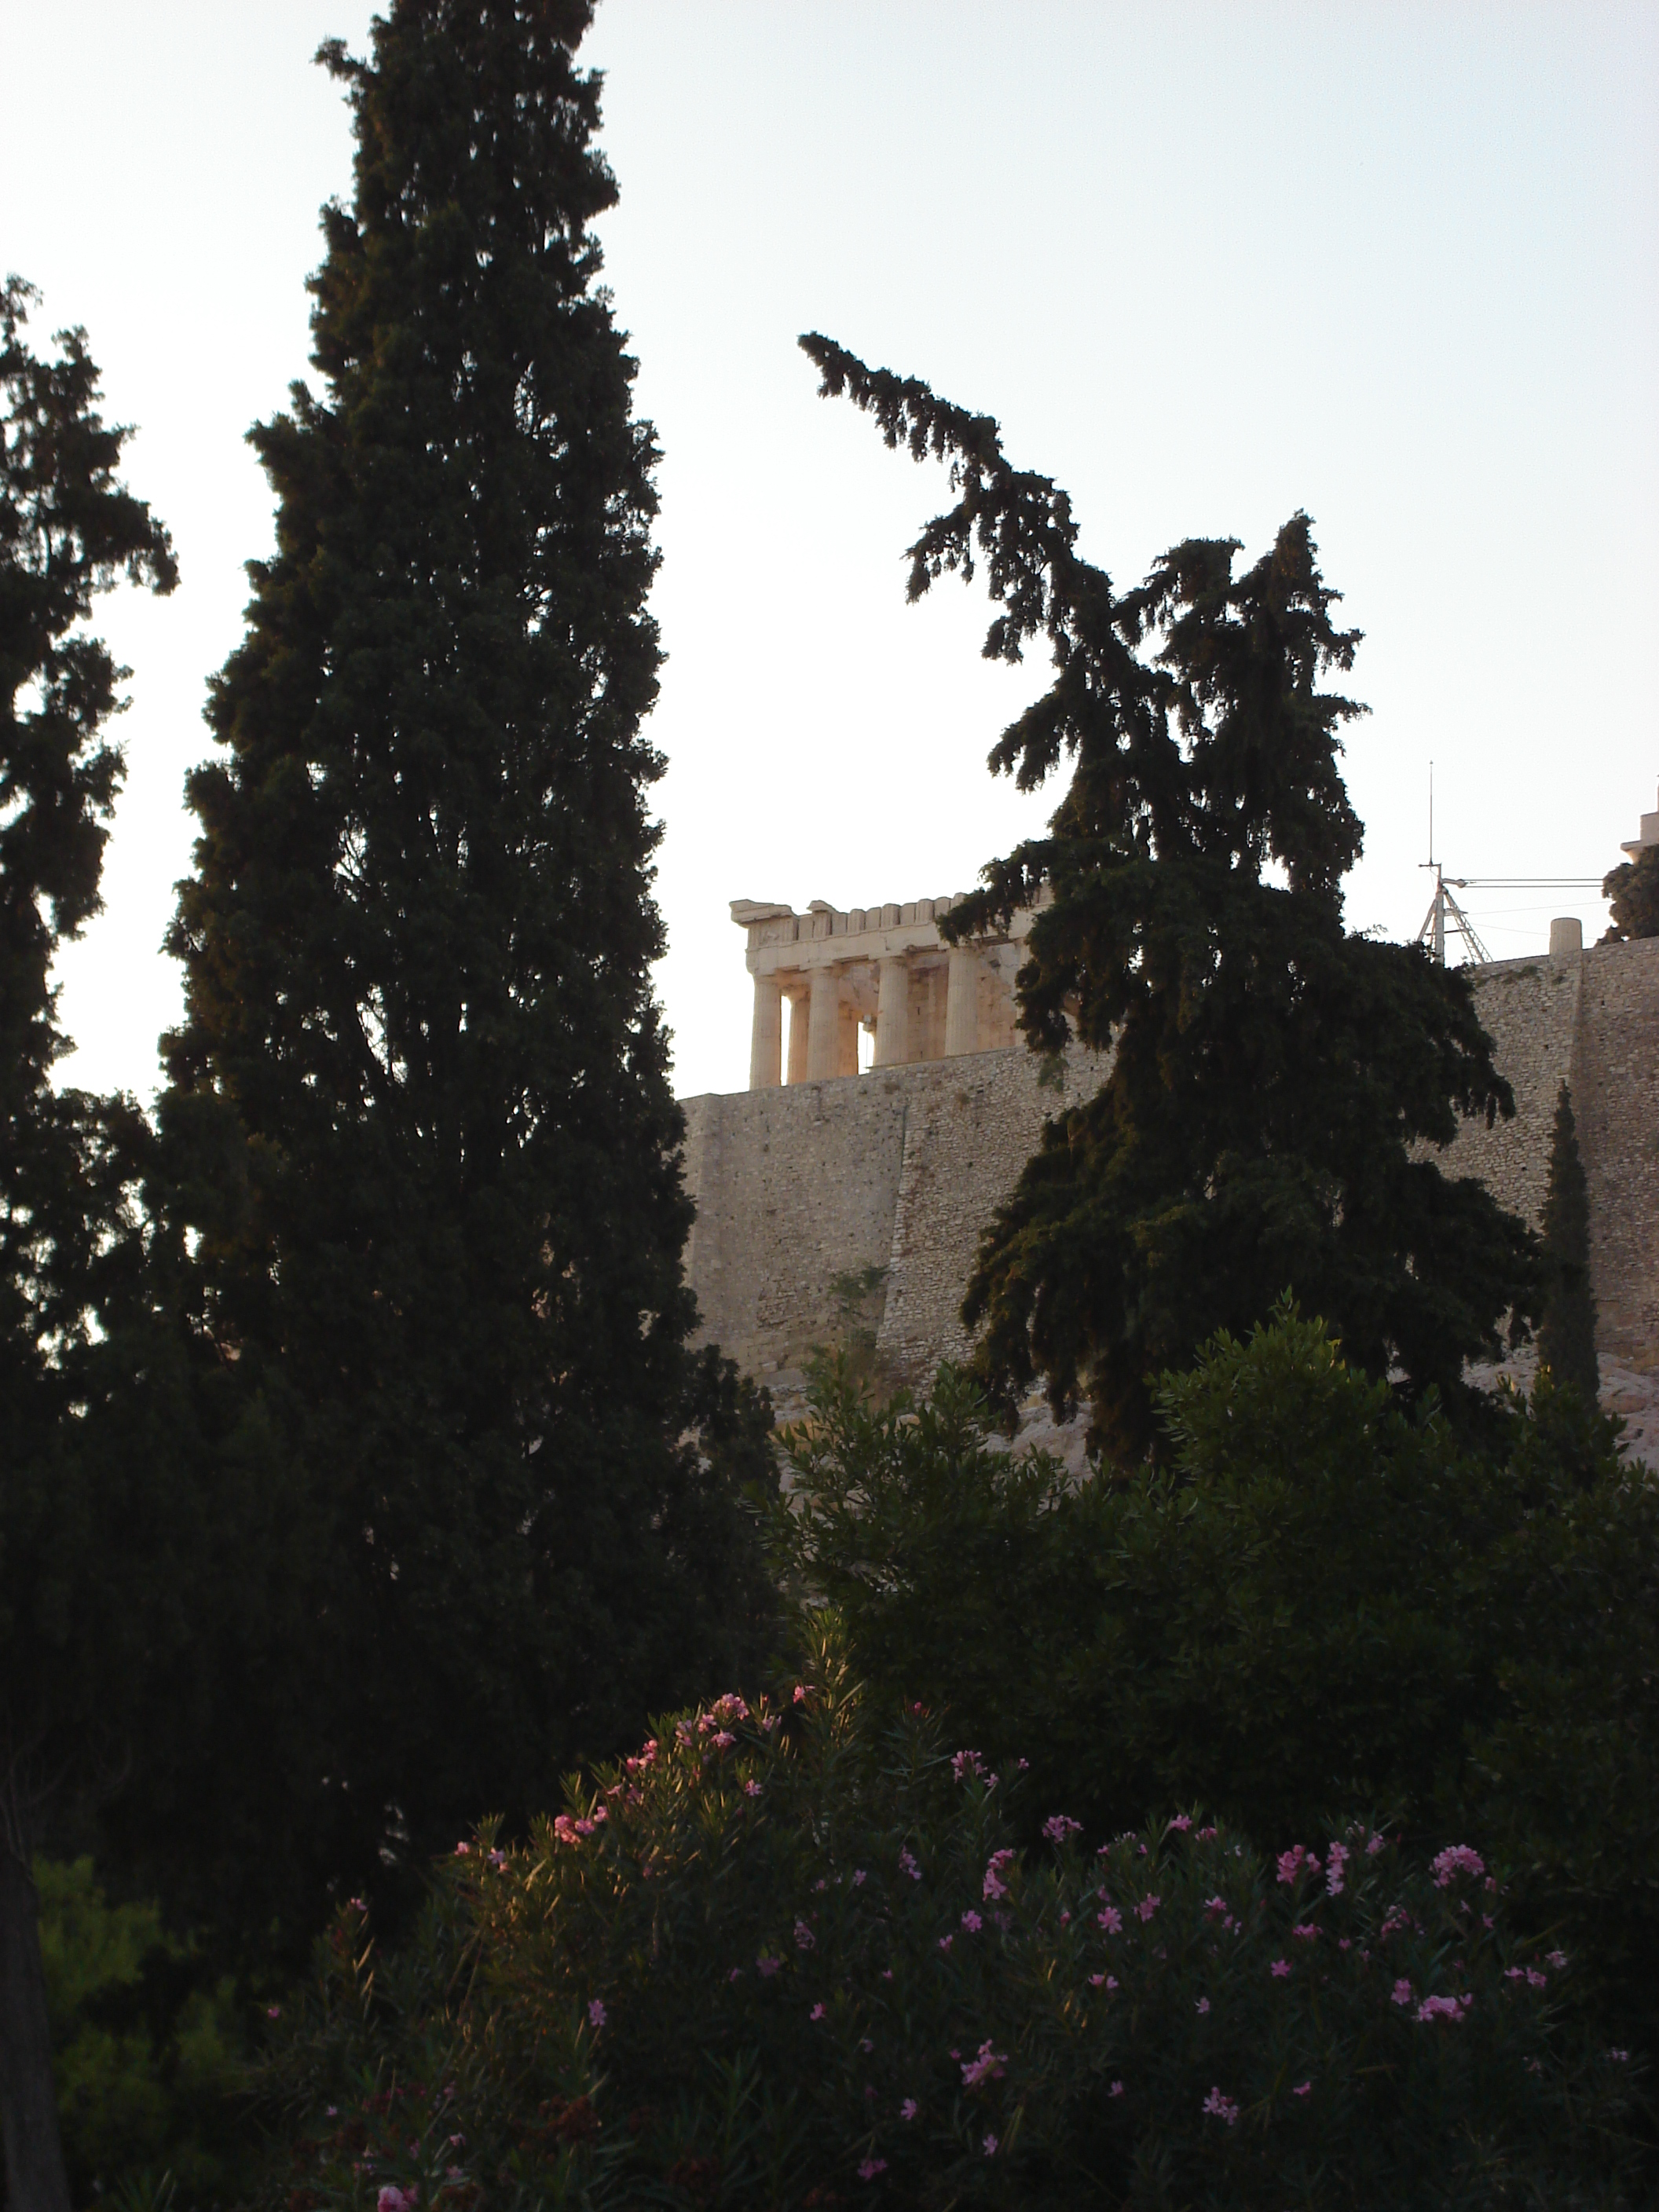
(818, 1171)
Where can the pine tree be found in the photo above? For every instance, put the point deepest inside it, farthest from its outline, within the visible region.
(419, 1112)
(70, 1627)
(1566, 1335)
(1632, 892)
(1275, 1078)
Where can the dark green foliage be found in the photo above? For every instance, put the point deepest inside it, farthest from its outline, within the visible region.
(781, 1965)
(1276, 1079)
(79, 1593)
(148, 2055)
(1566, 1335)
(1633, 890)
(1323, 1604)
(419, 1109)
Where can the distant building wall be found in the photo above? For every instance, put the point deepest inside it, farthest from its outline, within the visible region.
(900, 1169)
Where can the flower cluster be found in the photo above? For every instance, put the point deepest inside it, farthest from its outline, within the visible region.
(1168, 2003)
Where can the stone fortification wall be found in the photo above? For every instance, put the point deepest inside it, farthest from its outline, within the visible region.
(1591, 1020)
(899, 1169)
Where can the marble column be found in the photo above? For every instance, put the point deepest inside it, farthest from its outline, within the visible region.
(798, 1028)
(766, 1037)
(823, 1026)
(893, 1013)
(962, 1002)
(846, 1041)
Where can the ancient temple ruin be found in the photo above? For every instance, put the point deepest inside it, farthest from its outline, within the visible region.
(884, 969)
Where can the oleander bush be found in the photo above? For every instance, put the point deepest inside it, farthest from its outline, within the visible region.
(791, 1954)
(1322, 1601)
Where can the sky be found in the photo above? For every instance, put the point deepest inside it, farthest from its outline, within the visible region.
(1208, 262)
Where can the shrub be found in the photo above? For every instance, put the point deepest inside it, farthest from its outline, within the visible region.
(1323, 1603)
(146, 2054)
(786, 1957)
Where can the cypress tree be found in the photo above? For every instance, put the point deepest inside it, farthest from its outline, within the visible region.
(418, 1113)
(77, 1610)
(1276, 1079)
(1566, 1335)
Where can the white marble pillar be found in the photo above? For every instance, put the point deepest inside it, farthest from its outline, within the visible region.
(798, 1028)
(892, 1012)
(962, 1002)
(823, 1026)
(847, 1040)
(766, 1037)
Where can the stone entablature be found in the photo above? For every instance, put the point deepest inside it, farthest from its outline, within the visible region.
(883, 969)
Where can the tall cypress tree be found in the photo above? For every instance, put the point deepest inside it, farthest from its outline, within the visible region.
(1276, 1079)
(1566, 1335)
(77, 1610)
(419, 1112)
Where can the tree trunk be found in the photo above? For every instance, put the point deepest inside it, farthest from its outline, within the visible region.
(35, 2179)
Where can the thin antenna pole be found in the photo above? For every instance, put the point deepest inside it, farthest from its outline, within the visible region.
(1431, 813)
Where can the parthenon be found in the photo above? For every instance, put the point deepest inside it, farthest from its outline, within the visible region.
(882, 969)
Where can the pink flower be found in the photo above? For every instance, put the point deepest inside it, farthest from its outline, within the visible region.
(1403, 1992)
(273, 2012)
(1455, 1859)
(1441, 2009)
(751, 1788)
(994, 1886)
(964, 1763)
(1204, 2004)
(1103, 1981)
(725, 1740)
(1376, 1844)
(1556, 1959)
(392, 2199)
(971, 1921)
(1335, 1859)
(805, 1939)
(735, 1974)
(858, 1877)
(817, 2012)
(1116, 2089)
(596, 2013)
(1180, 1823)
(1302, 2089)
(803, 1692)
(987, 2067)
(1147, 1906)
(1290, 1862)
(1110, 1919)
(1306, 1932)
(990, 2146)
(1280, 1969)
(871, 2168)
(768, 1966)
(463, 1851)
(946, 1942)
(1206, 1836)
(908, 1865)
(1216, 1906)
(908, 2110)
(1059, 1825)
(1221, 2108)
(731, 1708)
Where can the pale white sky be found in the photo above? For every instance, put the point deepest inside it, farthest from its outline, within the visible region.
(1397, 263)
